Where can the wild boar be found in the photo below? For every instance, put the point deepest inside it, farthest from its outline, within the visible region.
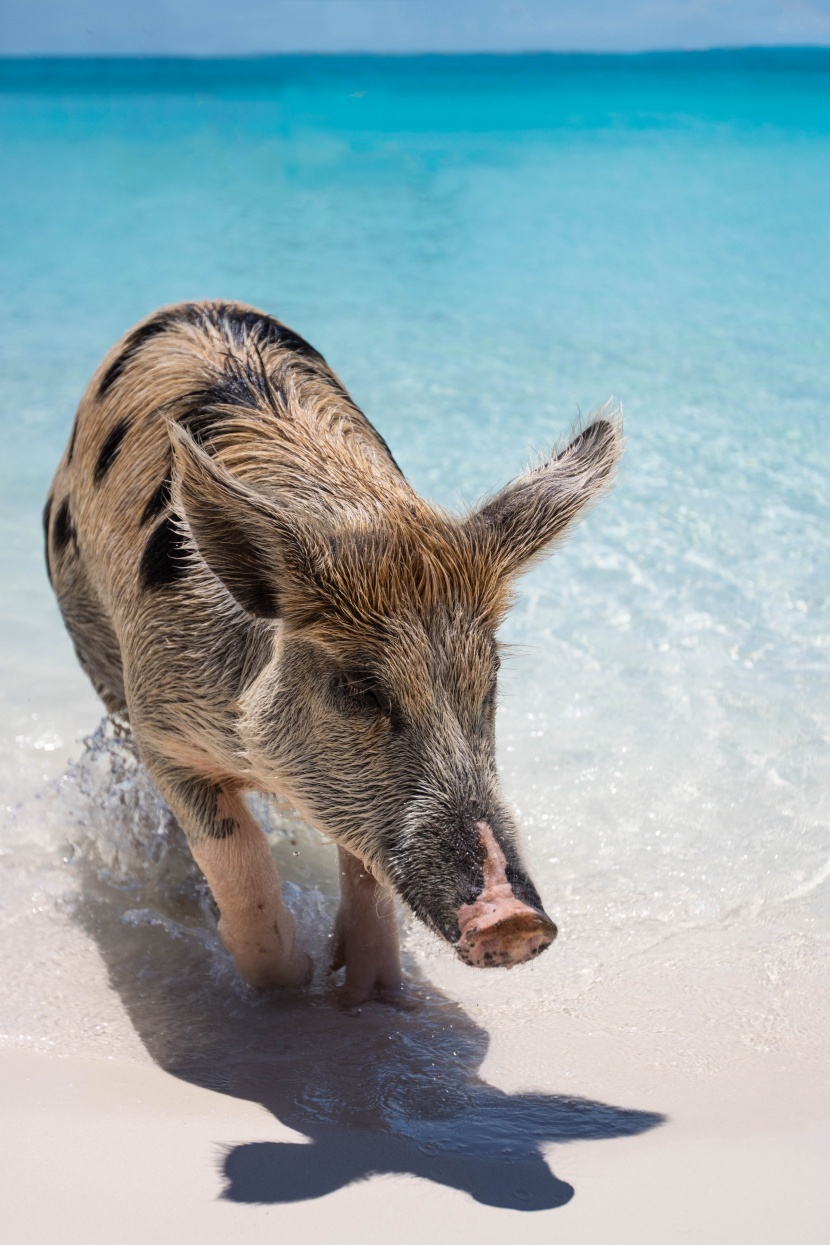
(247, 575)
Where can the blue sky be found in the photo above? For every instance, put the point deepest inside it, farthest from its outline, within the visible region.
(232, 27)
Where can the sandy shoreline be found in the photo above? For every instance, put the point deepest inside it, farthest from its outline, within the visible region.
(575, 1127)
(634, 1084)
(671, 1087)
(102, 1151)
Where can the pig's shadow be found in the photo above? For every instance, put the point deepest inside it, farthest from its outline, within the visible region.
(378, 1092)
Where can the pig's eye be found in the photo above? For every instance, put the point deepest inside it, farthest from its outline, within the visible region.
(362, 693)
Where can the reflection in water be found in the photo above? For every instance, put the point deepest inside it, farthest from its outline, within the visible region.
(376, 1091)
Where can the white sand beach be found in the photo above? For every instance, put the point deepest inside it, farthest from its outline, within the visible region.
(118, 1149)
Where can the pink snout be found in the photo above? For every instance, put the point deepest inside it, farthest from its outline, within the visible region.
(498, 930)
(509, 934)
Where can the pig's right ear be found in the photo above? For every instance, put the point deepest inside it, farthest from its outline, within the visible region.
(242, 536)
(531, 514)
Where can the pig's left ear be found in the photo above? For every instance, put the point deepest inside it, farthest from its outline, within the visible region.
(522, 521)
(250, 544)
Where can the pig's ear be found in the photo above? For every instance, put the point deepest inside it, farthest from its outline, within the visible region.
(526, 518)
(247, 542)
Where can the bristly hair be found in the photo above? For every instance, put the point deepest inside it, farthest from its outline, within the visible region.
(357, 547)
(338, 540)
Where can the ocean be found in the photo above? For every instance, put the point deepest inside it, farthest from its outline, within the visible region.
(485, 249)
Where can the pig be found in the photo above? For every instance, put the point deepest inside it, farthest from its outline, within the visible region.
(248, 577)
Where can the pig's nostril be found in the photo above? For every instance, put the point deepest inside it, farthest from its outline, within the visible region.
(501, 942)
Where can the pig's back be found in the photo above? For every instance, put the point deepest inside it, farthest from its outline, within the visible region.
(243, 384)
(203, 365)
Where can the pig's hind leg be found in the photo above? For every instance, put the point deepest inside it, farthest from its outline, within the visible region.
(366, 936)
(233, 853)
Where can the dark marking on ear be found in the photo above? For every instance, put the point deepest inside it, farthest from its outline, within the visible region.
(47, 511)
(163, 560)
(241, 571)
(109, 450)
(134, 341)
(71, 450)
(158, 502)
(261, 601)
(63, 529)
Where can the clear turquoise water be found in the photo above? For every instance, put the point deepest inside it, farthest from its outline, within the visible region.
(483, 248)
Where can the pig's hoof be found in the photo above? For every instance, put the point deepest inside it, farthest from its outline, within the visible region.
(367, 987)
(369, 978)
(296, 973)
(350, 997)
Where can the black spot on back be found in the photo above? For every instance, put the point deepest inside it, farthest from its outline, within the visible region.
(72, 437)
(109, 450)
(163, 560)
(206, 411)
(47, 511)
(257, 330)
(63, 529)
(231, 388)
(158, 502)
(139, 337)
(255, 327)
(202, 420)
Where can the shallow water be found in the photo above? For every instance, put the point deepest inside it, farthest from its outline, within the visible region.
(482, 248)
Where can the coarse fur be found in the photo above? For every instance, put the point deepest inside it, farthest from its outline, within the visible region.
(246, 573)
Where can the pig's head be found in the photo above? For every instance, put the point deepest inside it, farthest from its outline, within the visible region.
(375, 714)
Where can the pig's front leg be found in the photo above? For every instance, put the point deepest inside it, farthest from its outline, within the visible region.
(366, 936)
(233, 853)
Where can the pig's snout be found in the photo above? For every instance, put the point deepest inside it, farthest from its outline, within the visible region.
(498, 930)
(505, 936)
